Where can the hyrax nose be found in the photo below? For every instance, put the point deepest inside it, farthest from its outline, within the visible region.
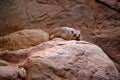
(78, 38)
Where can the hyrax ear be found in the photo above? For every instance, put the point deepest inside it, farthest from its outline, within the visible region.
(72, 32)
(74, 35)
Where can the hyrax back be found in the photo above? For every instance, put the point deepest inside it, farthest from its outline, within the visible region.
(65, 33)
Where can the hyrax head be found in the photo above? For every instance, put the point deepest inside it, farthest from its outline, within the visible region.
(76, 35)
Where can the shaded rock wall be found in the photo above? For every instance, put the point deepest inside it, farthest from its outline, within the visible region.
(87, 15)
(98, 20)
(113, 4)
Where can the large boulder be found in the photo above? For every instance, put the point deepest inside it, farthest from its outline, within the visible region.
(58, 60)
(23, 39)
(70, 60)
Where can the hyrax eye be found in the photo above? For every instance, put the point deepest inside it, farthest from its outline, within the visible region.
(74, 35)
(72, 32)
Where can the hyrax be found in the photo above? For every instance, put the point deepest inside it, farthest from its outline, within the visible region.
(65, 33)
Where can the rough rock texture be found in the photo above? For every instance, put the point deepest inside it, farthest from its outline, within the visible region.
(113, 4)
(12, 73)
(70, 60)
(23, 39)
(117, 66)
(58, 60)
(19, 56)
(98, 20)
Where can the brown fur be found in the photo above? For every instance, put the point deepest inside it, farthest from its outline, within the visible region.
(65, 33)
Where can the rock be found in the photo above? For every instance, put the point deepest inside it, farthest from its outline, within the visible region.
(13, 56)
(23, 39)
(70, 60)
(11, 73)
(20, 55)
(117, 66)
(98, 20)
(3, 63)
(114, 4)
(22, 73)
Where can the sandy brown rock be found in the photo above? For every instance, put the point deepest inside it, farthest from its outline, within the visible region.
(113, 4)
(98, 20)
(70, 60)
(23, 39)
(58, 60)
(18, 56)
(117, 65)
(12, 73)
(13, 56)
